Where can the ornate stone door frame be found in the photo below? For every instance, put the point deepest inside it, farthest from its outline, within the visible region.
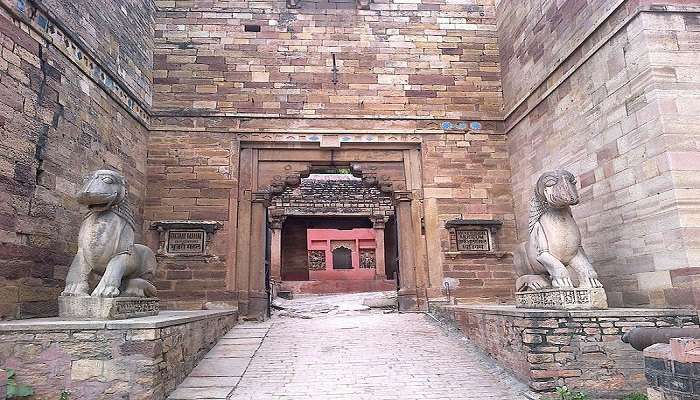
(267, 166)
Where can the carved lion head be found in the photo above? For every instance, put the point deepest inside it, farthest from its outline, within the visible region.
(558, 188)
(103, 189)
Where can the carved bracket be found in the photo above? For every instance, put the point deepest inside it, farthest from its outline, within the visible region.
(185, 238)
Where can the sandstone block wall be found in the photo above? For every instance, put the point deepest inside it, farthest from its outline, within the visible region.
(193, 174)
(419, 58)
(581, 350)
(113, 363)
(57, 122)
(118, 33)
(617, 113)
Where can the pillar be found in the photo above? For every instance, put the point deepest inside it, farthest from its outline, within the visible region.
(379, 223)
(408, 299)
(257, 294)
(276, 223)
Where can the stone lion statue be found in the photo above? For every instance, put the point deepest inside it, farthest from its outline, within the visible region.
(106, 243)
(554, 243)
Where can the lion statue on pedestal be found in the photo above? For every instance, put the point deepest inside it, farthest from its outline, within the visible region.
(106, 244)
(554, 243)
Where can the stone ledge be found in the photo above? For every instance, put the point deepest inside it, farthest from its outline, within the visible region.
(164, 319)
(581, 349)
(140, 358)
(531, 312)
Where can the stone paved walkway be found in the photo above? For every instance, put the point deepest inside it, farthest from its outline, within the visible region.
(353, 355)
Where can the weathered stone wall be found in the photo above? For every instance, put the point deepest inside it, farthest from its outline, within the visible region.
(535, 36)
(114, 361)
(193, 174)
(423, 58)
(468, 176)
(118, 33)
(618, 114)
(56, 124)
(672, 369)
(580, 349)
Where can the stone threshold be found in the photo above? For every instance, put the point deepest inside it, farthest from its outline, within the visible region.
(511, 310)
(162, 320)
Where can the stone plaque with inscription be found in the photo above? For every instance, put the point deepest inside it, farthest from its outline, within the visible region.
(186, 242)
(473, 240)
(185, 238)
(472, 235)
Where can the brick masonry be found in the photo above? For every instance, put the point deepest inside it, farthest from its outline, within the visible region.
(673, 370)
(617, 112)
(579, 349)
(144, 363)
(434, 59)
(194, 175)
(118, 34)
(56, 125)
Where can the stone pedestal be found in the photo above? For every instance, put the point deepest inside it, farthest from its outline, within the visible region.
(581, 349)
(104, 308)
(563, 299)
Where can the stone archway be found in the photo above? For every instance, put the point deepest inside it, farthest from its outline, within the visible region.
(268, 167)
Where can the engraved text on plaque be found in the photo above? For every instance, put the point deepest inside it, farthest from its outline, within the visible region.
(473, 240)
(186, 242)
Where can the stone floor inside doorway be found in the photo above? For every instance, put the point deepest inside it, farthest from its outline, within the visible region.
(334, 347)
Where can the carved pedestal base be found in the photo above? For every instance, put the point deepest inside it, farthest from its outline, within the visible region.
(102, 308)
(563, 299)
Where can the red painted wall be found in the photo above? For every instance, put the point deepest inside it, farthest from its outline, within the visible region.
(321, 239)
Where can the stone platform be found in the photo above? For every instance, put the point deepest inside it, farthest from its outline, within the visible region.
(106, 308)
(139, 358)
(581, 349)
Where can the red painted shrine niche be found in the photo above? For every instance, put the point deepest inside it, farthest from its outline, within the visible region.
(342, 254)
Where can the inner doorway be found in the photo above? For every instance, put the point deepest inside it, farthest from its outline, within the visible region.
(333, 236)
(270, 166)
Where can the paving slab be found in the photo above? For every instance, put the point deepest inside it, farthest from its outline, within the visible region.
(220, 367)
(209, 381)
(238, 340)
(200, 393)
(358, 355)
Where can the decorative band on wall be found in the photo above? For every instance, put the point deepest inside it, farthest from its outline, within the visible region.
(28, 16)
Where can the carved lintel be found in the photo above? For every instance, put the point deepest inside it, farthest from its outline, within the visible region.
(363, 4)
